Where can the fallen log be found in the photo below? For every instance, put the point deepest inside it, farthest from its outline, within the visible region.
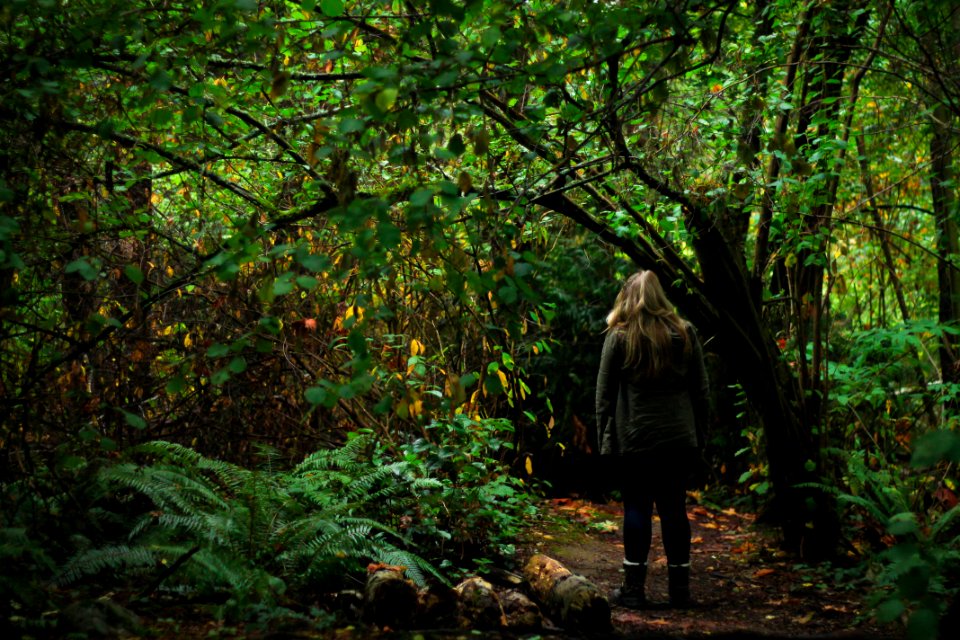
(520, 612)
(479, 605)
(389, 599)
(571, 600)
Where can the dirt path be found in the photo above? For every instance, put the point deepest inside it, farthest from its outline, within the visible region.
(744, 587)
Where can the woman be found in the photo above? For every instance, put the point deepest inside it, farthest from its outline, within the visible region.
(651, 410)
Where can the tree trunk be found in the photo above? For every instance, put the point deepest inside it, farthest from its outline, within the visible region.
(880, 231)
(809, 526)
(948, 247)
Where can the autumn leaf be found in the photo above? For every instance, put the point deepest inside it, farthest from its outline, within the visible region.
(416, 347)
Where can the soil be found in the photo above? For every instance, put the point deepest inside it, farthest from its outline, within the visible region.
(741, 584)
(743, 587)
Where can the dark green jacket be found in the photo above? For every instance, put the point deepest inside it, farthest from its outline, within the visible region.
(637, 413)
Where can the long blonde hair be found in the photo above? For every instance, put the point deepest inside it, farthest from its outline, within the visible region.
(648, 321)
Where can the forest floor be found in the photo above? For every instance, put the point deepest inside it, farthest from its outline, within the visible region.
(744, 587)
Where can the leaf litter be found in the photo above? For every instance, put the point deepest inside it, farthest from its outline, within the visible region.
(743, 585)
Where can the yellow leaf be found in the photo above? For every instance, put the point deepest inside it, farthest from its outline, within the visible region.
(416, 347)
(503, 378)
(528, 465)
(187, 341)
(416, 408)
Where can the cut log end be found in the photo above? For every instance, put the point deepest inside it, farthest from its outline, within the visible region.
(573, 601)
(389, 599)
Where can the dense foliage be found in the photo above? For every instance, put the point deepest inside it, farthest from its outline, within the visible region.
(249, 226)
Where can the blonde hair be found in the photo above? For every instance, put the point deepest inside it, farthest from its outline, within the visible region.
(648, 322)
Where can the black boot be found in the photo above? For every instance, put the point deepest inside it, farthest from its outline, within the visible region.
(678, 585)
(631, 594)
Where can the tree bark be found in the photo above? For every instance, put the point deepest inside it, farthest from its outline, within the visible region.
(879, 231)
(574, 601)
(948, 246)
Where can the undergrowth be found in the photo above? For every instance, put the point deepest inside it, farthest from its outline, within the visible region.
(165, 520)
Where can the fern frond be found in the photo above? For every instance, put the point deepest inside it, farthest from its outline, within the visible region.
(417, 567)
(167, 487)
(215, 570)
(351, 541)
(229, 474)
(13, 541)
(944, 521)
(120, 557)
(328, 459)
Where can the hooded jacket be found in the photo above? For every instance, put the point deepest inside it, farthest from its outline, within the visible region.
(637, 413)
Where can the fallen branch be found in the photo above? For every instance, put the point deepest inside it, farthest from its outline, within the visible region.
(573, 601)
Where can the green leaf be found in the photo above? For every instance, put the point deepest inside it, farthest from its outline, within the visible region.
(307, 282)
(283, 285)
(456, 145)
(270, 324)
(386, 98)
(160, 80)
(902, 524)
(491, 37)
(175, 385)
(134, 420)
(332, 8)
(352, 125)
(890, 610)
(935, 446)
(914, 583)
(134, 274)
(492, 385)
(312, 262)
(315, 395)
(84, 268)
(421, 197)
(218, 350)
(922, 624)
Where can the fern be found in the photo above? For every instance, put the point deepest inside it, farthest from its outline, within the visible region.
(167, 487)
(239, 531)
(416, 568)
(117, 558)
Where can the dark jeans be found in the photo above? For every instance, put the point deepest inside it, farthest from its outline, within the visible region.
(656, 479)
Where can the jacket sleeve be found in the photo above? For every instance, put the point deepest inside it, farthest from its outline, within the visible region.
(698, 385)
(608, 386)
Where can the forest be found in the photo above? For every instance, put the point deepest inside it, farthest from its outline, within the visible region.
(290, 289)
